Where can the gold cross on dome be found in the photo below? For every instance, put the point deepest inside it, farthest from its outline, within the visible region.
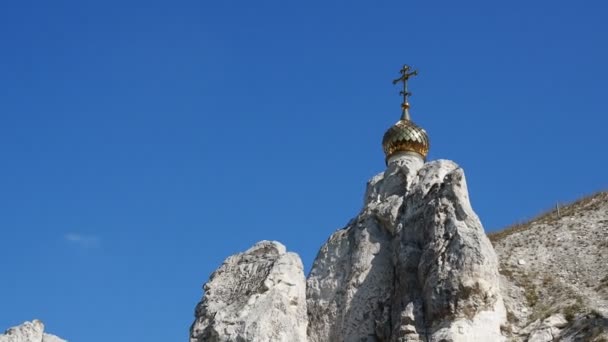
(405, 76)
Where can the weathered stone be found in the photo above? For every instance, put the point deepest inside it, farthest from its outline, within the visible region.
(557, 320)
(415, 264)
(29, 332)
(255, 296)
(564, 272)
(541, 335)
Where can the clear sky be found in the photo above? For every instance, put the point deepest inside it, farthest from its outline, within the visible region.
(142, 142)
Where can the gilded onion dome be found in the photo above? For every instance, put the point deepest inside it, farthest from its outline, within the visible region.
(405, 136)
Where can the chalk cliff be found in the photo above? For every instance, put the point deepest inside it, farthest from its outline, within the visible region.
(414, 265)
(554, 273)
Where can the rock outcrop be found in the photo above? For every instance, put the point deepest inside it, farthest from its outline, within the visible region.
(258, 295)
(29, 332)
(414, 265)
(554, 273)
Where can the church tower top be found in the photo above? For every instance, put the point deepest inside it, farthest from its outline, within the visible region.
(405, 137)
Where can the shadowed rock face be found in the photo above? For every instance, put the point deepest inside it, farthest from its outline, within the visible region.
(414, 265)
(258, 295)
(29, 332)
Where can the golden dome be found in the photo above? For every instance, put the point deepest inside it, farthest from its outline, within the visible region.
(405, 136)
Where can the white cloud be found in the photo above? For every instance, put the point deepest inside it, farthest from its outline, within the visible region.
(82, 240)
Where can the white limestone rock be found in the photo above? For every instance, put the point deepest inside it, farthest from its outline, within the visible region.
(255, 296)
(541, 335)
(414, 265)
(556, 321)
(29, 332)
(565, 274)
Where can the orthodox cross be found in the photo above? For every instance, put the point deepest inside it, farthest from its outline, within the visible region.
(405, 76)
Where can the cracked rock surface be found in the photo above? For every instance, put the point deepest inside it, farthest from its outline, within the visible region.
(257, 295)
(414, 265)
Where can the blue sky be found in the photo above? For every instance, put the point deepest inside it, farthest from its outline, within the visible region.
(142, 142)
